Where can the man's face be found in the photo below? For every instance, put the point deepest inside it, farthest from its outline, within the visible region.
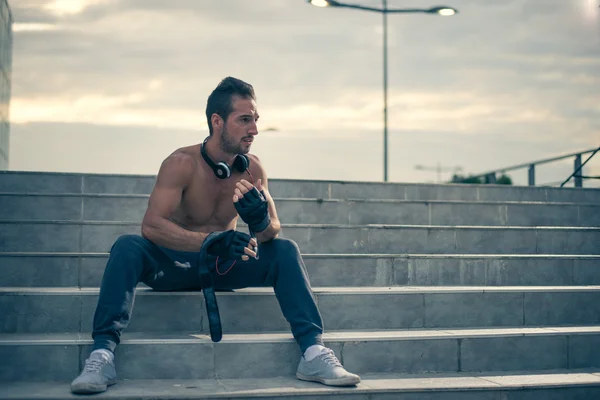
(240, 127)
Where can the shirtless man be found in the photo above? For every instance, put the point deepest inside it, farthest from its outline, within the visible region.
(193, 210)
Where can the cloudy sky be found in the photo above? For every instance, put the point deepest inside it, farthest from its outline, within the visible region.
(116, 85)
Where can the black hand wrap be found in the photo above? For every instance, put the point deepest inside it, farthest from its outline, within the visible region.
(229, 245)
(253, 209)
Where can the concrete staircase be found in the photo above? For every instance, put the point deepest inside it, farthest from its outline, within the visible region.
(427, 291)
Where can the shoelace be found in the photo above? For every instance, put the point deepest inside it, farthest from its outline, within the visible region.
(330, 358)
(95, 364)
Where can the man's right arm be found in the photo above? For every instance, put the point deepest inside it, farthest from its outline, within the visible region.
(172, 179)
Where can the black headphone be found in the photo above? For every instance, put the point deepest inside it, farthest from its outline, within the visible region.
(221, 169)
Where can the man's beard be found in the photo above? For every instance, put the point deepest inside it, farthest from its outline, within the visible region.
(228, 144)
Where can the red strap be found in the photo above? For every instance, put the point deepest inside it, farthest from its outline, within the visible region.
(250, 173)
(217, 267)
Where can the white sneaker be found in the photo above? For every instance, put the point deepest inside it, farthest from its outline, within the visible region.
(99, 373)
(327, 369)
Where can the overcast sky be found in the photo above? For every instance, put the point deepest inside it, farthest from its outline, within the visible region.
(116, 85)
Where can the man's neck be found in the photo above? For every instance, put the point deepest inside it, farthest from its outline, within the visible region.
(214, 151)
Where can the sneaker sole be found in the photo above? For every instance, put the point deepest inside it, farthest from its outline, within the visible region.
(347, 381)
(86, 388)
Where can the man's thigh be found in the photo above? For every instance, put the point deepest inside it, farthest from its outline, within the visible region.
(241, 274)
(254, 273)
(176, 271)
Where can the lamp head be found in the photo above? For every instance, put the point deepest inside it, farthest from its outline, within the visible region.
(323, 3)
(442, 10)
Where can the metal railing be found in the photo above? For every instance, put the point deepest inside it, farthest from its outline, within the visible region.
(490, 176)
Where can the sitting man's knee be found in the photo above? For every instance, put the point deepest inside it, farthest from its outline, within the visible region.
(128, 242)
(286, 246)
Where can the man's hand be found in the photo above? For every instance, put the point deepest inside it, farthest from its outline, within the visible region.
(252, 205)
(233, 245)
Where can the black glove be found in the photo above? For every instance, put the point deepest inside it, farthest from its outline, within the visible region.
(229, 245)
(253, 208)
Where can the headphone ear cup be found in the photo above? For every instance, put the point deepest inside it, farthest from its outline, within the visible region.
(241, 163)
(222, 170)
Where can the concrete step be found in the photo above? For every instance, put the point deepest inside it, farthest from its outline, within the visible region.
(47, 310)
(86, 269)
(44, 182)
(131, 208)
(517, 385)
(59, 357)
(88, 236)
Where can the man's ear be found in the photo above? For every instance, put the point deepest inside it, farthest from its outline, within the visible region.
(216, 121)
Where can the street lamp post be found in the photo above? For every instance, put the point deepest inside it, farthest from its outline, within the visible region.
(385, 85)
(439, 10)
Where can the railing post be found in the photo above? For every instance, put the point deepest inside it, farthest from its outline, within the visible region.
(578, 179)
(532, 175)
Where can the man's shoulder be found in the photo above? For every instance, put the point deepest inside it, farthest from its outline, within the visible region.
(184, 155)
(254, 160)
(257, 168)
(180, 162)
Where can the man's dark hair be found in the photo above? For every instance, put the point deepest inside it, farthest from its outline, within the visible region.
(219, 101)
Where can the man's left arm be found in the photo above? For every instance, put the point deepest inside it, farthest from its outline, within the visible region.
(273, 229)
(256, 206)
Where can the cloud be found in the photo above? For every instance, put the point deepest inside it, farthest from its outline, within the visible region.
(33, 27)
(70, 7)
(519, 70)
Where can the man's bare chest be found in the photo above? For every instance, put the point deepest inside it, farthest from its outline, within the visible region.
(203, 201)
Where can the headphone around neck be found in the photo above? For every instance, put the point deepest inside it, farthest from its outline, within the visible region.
(221, 169)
